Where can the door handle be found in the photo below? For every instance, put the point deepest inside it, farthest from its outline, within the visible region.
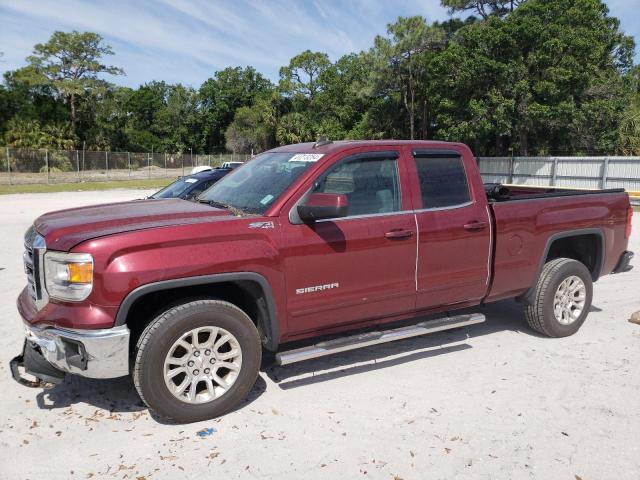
(475, 225)
(398, 234)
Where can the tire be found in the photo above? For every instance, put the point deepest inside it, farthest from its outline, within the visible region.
(545, 314)
(164, 342)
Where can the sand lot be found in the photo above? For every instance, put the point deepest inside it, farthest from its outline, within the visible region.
(494, 401)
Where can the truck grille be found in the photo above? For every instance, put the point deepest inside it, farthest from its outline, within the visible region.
(33, 255)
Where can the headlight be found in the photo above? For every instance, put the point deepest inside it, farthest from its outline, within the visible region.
(68, 276)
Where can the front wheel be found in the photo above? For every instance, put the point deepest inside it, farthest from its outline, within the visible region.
(197, 360)
(562, 298)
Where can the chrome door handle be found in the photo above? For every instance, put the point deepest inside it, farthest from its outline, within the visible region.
(398, 234)
(475, 225)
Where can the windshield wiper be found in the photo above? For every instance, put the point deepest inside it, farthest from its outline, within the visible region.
(235, 210)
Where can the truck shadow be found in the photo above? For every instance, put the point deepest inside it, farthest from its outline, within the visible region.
(501, 316)
(120, 396)
(117, 395)
(114, 395)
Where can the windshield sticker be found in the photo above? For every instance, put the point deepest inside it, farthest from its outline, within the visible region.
(266, 199)
(191, 180)
(306, 157)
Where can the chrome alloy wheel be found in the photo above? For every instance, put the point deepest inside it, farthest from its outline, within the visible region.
(202, 364)
(569, 300)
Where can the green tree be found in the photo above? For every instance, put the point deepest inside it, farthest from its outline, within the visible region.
(105, 118)
(399, 61)
(340, 104)
(295, 127)
(69, 63)
(146, 123)
(180, 121)
(484, 8)
(301, 77)
(32, 135)
(629, 131)
(547, 78)
(220, 97)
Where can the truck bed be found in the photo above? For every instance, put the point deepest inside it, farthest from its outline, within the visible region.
(527, 220)
(497, 192)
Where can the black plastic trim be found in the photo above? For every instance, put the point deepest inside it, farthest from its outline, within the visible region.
(529, 297)
(623, 263)
(272, 327)
(374, 154)
(435, 153)
(555, 194)
(34, 364)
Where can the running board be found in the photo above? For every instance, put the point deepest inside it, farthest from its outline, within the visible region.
(373, 338)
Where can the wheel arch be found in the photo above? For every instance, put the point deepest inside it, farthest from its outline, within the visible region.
(560, 245)
(247, 290)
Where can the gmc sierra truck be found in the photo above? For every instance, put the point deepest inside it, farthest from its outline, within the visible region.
(304, 241)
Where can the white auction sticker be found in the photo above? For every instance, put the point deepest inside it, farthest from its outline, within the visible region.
(191, 180)
(306, 157)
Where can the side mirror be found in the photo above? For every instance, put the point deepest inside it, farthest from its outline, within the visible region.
(320, 206)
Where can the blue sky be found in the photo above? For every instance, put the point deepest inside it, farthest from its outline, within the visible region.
(188, 40)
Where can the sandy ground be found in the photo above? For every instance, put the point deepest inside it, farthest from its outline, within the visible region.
(492, 401)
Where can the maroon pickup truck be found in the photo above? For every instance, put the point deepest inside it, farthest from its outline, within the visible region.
(304, 241)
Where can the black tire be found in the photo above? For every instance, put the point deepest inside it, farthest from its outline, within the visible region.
(159, 336)
(540, 314)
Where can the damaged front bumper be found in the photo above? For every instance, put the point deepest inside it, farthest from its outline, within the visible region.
(89, 353)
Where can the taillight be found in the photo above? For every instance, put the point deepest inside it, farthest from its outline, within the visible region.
(627, 232)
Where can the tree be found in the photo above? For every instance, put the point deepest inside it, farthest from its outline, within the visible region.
(221, 96)
(301, 76)
(146, 123)
(398, 61)
(484, 8)
(547, 78)
(180, 121)
(629, 132)
(340, 104)
(32, 135)
(69, 63)
(295, 127)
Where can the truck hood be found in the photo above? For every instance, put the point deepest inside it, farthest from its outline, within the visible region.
(64, 229)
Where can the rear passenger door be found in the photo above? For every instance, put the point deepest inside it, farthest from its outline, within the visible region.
(453, 232)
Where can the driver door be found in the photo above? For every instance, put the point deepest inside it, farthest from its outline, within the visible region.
(362, 266)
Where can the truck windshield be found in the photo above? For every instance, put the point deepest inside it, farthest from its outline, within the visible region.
(255, 186)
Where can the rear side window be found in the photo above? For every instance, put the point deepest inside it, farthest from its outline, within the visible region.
(443, 182)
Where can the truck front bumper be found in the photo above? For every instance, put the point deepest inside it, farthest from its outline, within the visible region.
(89, 353)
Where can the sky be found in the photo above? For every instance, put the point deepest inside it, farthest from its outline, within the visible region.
(186, 41)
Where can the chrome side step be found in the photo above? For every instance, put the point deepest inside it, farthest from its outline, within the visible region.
(373, 338)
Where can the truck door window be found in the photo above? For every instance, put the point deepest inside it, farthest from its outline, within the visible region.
(443, 182)
(371, 185)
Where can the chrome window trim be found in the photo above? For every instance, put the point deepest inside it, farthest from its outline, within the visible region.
(399, 212)
(368, 215)
(450, 207)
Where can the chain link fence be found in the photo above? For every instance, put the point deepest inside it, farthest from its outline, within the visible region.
(22, 166)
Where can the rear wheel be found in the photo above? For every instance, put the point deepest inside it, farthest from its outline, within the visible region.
(197, 360)
(562, 298)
